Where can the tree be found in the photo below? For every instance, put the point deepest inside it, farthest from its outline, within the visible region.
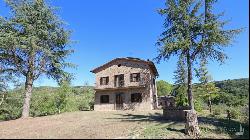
(194, 35)
(181, 72)
(34, 42)
(163, 88)
(60, 98)
(180, 83)
(207, 89)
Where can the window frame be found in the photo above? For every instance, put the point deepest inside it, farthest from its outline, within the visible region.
(134, 78)
(106, 80)
(136, 97)
(102, 98)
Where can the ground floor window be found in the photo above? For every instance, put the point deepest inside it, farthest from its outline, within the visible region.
(136, 97)
(104, 98)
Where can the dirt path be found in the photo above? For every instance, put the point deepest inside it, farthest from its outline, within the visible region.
(85, 124)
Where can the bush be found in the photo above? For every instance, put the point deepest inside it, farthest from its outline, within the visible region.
(11, 108)
(43, 104)
(235, 113)
(245, 114)
(198, 105)
(217, 111)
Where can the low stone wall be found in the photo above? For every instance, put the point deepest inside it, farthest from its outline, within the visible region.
(175, 113)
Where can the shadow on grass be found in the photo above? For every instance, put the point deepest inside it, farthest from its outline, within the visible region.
(155, 117)
(234, 128)
(221, 125)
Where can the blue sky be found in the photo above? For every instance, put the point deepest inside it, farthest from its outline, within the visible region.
(108, 29)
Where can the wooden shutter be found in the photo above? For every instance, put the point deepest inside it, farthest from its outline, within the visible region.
(101, 81)
(107, 80)
(138, 77)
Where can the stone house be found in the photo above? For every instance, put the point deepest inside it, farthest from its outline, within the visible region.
(126, 83)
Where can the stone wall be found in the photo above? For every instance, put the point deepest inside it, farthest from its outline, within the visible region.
(146, 103)
(146, 85)
(175, 113)
(126, 68)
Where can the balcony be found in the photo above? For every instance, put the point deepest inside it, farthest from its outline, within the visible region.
(119, 83)
(119, 80)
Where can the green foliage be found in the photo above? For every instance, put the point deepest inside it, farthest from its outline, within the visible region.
(235, 113)
(233, 92)
(219, 109)
(180, 78)
(33, 42)
(198, 105)
(180, 74)
(47, 101)
(180, 96)
(60, 97)
(193, 33)
(163, 88)
(43, 104)
(11, 107)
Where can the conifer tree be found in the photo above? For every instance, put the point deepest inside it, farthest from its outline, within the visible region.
(194, 35)
(180, 78)
(33, 42)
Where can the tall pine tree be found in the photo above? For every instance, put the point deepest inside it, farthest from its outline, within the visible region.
(33, 42)
(180, 77)
(194, 35)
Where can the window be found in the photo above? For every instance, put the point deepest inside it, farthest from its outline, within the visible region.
(154, 98)
(104, 80)
(154, 81)
(104, 98)
(136, 97)
(135, 77)
(119, 80)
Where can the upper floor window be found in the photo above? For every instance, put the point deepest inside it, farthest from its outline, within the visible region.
(134, 77)
(104, 80)
(119, 80)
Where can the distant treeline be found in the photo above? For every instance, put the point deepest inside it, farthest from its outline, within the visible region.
(47, 101)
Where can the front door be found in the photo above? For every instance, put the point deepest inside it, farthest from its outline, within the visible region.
(119, 101)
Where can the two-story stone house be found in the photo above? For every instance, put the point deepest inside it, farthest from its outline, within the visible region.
(126, 83)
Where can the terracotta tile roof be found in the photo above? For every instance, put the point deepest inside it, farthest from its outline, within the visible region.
(148, 62)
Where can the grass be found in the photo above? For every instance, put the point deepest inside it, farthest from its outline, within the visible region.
(211, 128)
(116, 124)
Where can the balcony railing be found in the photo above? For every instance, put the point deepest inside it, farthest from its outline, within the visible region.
(119, 83)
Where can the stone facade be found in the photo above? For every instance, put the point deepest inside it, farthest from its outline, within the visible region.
(166, 101)
(175, 113)
(122, 95)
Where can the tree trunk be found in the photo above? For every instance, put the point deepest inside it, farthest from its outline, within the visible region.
(210, 104)
(189, 90)
(2, 99)
(28, 92)
(191, 127)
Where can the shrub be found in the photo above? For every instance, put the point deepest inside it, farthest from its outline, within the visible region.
(217, 111)
(11, 108)
(245, 114)
(43, 104)
(235, 113)
(198, 105)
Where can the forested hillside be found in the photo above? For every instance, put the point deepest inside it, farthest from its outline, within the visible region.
(236, 92)
(48, 100)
